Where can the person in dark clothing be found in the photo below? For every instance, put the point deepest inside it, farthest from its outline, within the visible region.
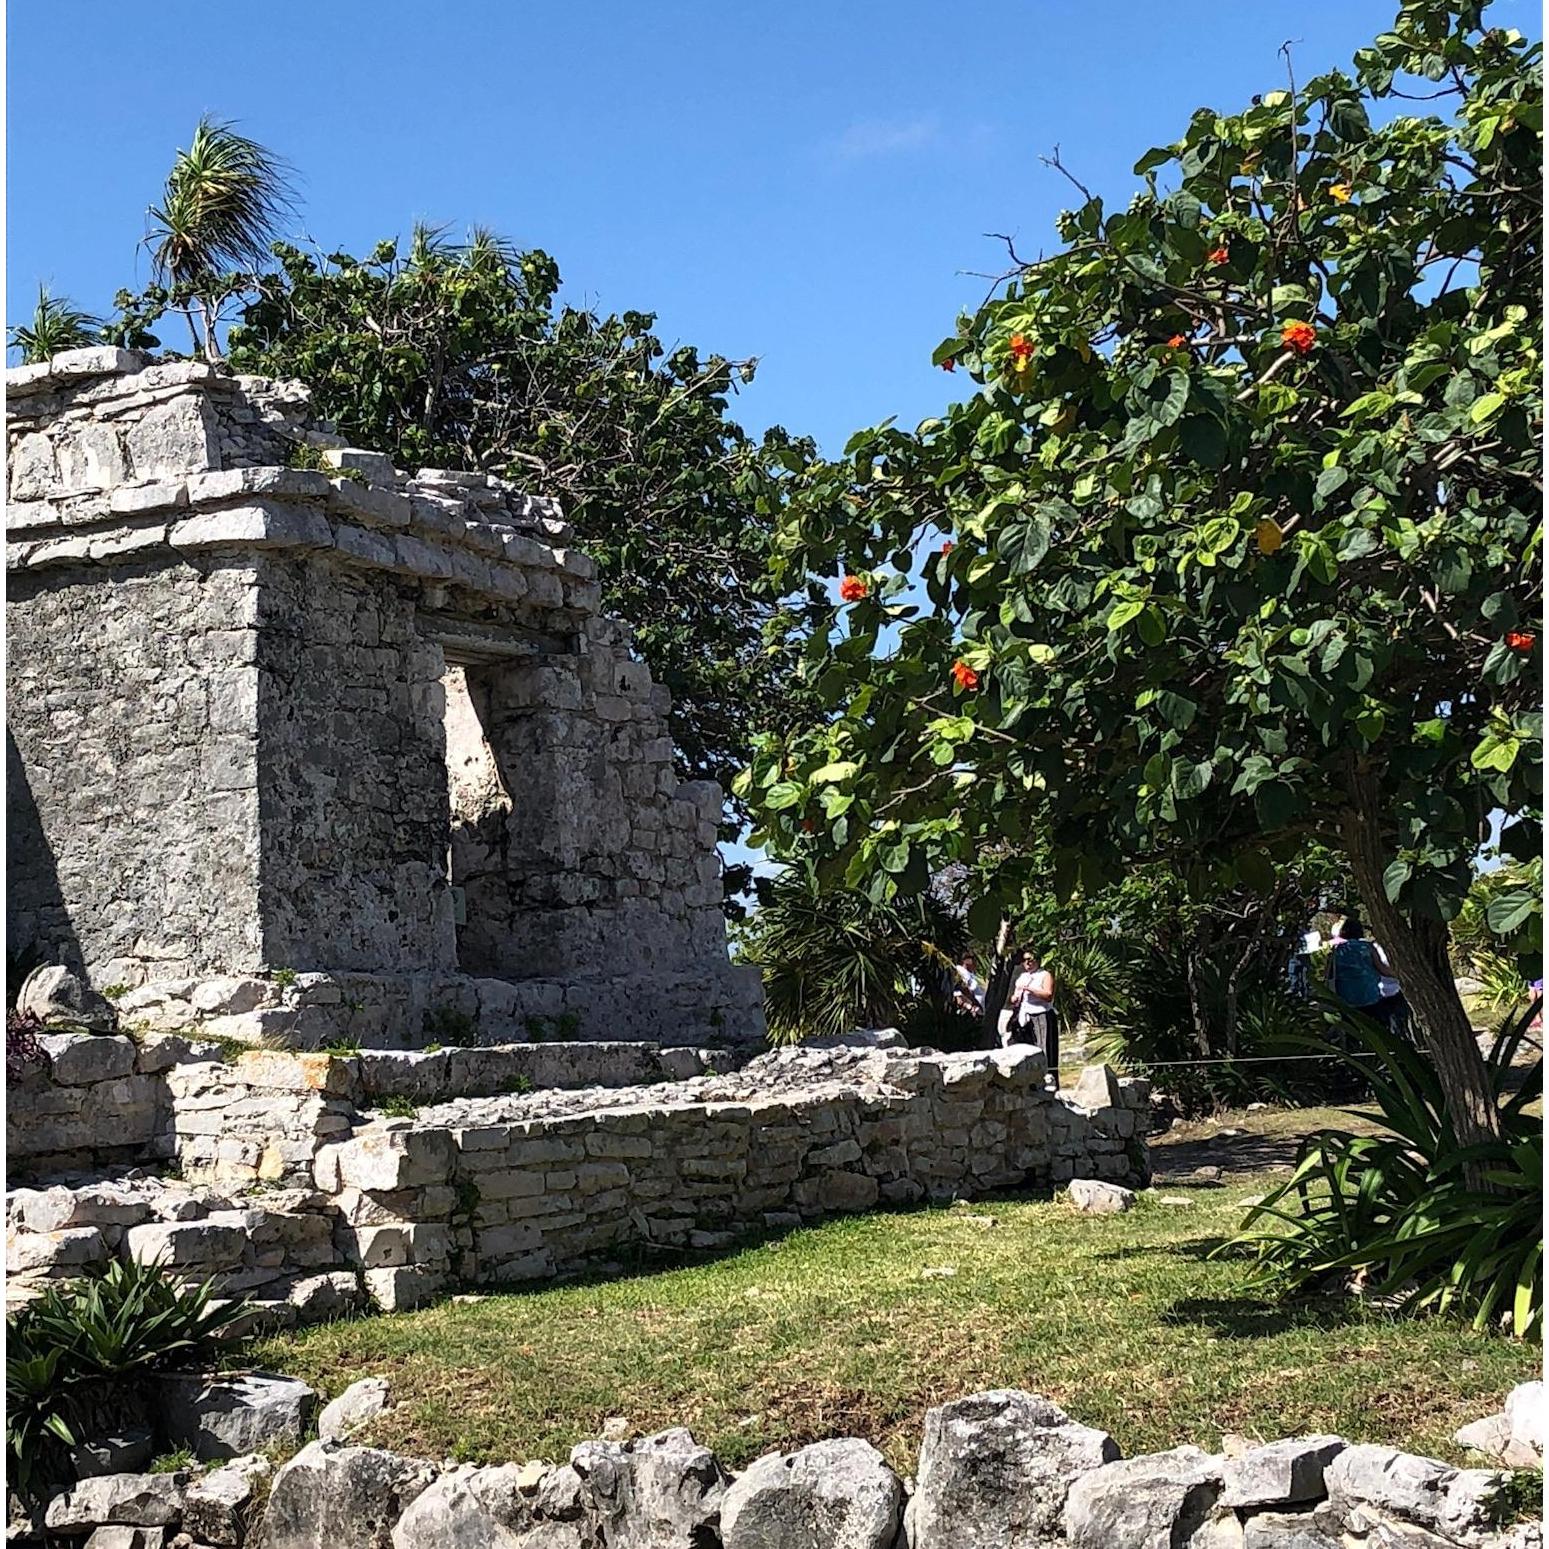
(1361, 976)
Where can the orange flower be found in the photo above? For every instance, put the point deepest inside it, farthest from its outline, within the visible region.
(1520, 642)
(1299, 337)
(1220, 255)
(1339, 192)
(1177, 342)
(964, 676)
(852, 588)
(1021, 351)
(946, 548)
(949, 364)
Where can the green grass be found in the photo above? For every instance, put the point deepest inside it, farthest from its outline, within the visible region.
(1126, 1321)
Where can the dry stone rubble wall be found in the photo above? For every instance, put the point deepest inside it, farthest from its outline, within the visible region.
(997, 1470)
(288, 1171)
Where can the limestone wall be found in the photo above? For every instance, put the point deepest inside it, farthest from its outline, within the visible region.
(529, 1184)
(131, 761)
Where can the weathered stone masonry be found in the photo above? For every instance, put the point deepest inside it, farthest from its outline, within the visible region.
(366, 733)
(294, 1187)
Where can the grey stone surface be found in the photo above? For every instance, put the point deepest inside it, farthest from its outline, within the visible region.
(1291, 1530)
(127, 1538)
(79, 1059)
(1280, 1471)
(1093, 1197)
(220, 1506)
(340, 1498)
(1164, 1500)
(356, 1406)
(130, 1500)
(53, 994)
(660, 1492)
(995, 1469)
(491, 1508)
(830, 1495)
(229, 1416)
(126, 1452)
(1527, 1413)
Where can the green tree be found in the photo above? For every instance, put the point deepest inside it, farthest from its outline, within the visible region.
(1237, 545)
(458, 355)
(57, 324)
(219, 211)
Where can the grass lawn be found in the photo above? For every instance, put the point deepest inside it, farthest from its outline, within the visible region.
(838, 1330)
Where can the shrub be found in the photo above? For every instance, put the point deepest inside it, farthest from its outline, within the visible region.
(833, 960)
(1412, 1215)
(83, 1347)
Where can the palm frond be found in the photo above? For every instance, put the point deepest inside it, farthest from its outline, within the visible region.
(57, 325)
(222, 204)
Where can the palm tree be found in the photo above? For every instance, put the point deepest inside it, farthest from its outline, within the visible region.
(219, 211)
(56, 325)
(834, 961)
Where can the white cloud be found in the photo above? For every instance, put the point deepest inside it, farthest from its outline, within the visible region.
(885, 137)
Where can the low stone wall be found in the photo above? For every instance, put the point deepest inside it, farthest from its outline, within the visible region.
(498, 1189)
(998, 1470)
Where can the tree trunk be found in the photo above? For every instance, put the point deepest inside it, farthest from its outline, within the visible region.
(1417, 948)
(997, 985)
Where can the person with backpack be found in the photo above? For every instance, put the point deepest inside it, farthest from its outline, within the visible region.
(1361, 976)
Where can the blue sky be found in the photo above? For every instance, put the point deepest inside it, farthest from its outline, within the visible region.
(806, 182)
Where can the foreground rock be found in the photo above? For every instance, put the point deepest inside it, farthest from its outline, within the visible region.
(662, 1492)
(831, 1495)
(995, 1469)
(507, 1507)
(356, 1406)
(229, 1417)
(340, 1498)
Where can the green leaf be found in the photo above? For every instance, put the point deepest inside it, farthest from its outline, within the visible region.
(831, 774)
(1394, 878)
(1508, 912)
(785, 794)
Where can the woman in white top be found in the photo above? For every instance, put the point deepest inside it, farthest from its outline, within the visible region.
(1032, 997)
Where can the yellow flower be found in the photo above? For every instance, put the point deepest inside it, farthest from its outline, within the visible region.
(1269, 535)
(1339, 192)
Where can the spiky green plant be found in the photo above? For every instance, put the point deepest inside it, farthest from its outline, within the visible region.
(220, 209)
(834, 961)
(57, 325)
(1411, 1215)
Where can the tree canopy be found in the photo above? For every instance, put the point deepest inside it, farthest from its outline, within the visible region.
(460, 355)
(1237, 543)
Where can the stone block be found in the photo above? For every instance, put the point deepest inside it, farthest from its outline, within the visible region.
(1282, 1472)
(1094, 1198)
(1161, 1499)
(355, 1407)
(831, 1495)
(660, 1492)
(231, 1416)
(220, 1507)
(340, 1497)
(54, 1253)
(1096, 1087)
(997, 1458)
(396, 1159)
(208, 1244)
(129, 1500)
(399, 1289)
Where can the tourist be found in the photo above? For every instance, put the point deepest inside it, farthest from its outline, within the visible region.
(1032, 1001)
(1356, 970)
(969, 993)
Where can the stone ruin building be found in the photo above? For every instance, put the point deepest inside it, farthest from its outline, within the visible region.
(349, 766)
(332, 755)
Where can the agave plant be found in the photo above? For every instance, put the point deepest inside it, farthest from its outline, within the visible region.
(78, 1353)
(57, 325)
(1411, 1215)
(220, 209)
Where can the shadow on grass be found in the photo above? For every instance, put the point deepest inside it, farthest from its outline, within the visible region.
(1247, 1317)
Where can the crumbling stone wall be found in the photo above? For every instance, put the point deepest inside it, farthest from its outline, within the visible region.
(497, 1189)
(291, 787)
